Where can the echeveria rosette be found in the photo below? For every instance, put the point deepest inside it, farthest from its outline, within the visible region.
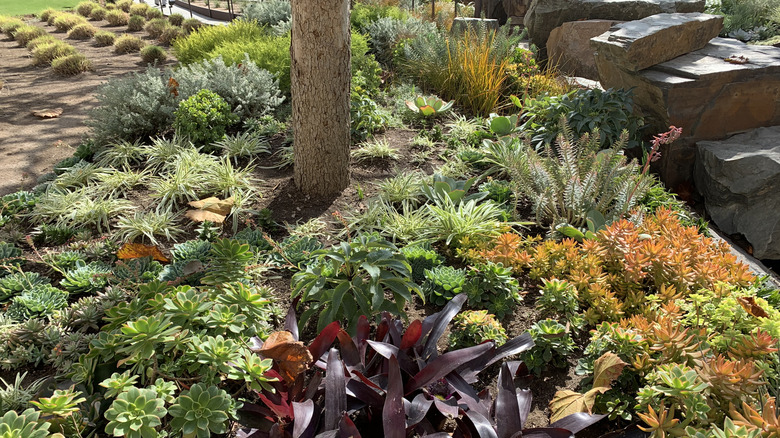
(135, 414)
(24, 425)
(201, 411)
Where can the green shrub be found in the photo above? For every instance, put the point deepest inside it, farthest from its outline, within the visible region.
(9, 26)
(124, 5)
(474, 327)
(191, 24)
(24, 34)
(46, 13)
(154, 13)
(199, 43)
(71, 64)
(52, 17)
(203, 117)
(116, 18)
(85, 8)
(45, 53)
(139, 9)
(176, 19)
(421, 258)
(45, 39)
(169, 35)
(82, 32)
(154, 28)
(267, 13)
(267, 51)
(750, 19)
(104, 38)
(98, 14)
(135, 23)
(153, 54)
(491, 286)
(127, 44)
(552, 345)
(385, 34)
(66, 22)
(363, 14)
(610, 111)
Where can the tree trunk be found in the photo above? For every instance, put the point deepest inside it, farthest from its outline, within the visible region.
(320, 77)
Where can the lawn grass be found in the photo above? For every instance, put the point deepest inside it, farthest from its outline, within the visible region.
(22, 7)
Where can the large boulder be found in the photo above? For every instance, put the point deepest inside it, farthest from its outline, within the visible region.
(636, 45)
(725, 88)
(568, 47)
(501, 10)
(545, 15)
(740, 181)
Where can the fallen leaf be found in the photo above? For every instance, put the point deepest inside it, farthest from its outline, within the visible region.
(139, 250)
(751, 307)
(214, 205)
(606, 369)
(173, 86)
(204, 215)
(291, 356)
(48, 113)
(566, 402)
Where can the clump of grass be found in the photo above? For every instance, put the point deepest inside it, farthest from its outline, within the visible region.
(128, 44)
(98, 14)
(176, 19)
(375, 151)
(46, 13)
(104, 38)
(71, 65)
(190, 24)
(82, 32)
(45, 53)
(116, 18)
(24, 34)
(66, 22)
(124, 5)
(153, 54)
(150, 225)
(169, 35)
(85, 8)
(156, 27)
(138, 9)
(53, 16)
(153, 13)
(9, 26)
(43, 39)
(135, 23)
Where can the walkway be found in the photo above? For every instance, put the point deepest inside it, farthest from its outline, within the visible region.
(183, 11)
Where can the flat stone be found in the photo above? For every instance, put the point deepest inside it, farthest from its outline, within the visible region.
(568, 48)
(545, 15)
(739, 179)
(636, 45)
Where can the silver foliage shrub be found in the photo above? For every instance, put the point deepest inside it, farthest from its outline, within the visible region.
(268, 12)
(385, 33)
(141, 105)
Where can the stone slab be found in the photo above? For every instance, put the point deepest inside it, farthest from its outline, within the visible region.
(568, 48)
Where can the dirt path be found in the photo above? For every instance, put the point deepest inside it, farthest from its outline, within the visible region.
(30, 146)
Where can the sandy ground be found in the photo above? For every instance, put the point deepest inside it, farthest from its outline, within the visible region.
(30, 146)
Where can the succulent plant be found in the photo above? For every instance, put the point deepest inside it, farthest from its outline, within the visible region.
(67, 260)
(420, 258)
(135, 271)
(254, 237)
(24, 425)
(296, 250)
(46, 234)
(553, 345)
(201, 411)
(9, 256)
(61, 410)
(86, 278)
(15, 203)
(118, 383)
(442, 283)
(135, 413)
(39, 301)
(474, 327)
(429, 107)
(18, 282)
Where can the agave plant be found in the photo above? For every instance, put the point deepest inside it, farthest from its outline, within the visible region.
(429, 107)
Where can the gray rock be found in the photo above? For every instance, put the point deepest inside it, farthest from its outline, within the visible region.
(545, 15)
(739, 179)
(636, 45)
(501, 10)
(568, 47)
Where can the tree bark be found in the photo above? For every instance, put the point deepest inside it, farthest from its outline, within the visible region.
(320, 77)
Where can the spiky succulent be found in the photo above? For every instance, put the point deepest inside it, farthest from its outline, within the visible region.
(9, 257)
(201, 411)
(47, 234)
(135, 413)
(39, 301)
(18, 282)
(86, 278)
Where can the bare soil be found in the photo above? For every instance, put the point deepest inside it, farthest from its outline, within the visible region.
(30, 146)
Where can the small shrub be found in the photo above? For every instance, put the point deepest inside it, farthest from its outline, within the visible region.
(9, 26)
(116, 18)
(45, 39)
(128, 44)
(154, 13)
(153, 54)
(135, 23)
(139, 9)
(85, 8)
(474, 327)
(169, 35)
(98, 14)
(154, 28)
(124, 5)
(104, 38)
(71, 64)
(552, 345)
(198, 44)
(267, 13)
(190, 25)
(203, 117)
(385, 34)
(375, 151)
(24, 34)
(363, 14)
(46, 13)
(53, 16)
(82, 32)
(66, 22)
(176, 19)
(45, 53)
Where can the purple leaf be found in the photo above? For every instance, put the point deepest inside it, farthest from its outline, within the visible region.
(507, 410)
(412, 335)
(524, 399)
(363, 392)
(417, 409)
(393, 416)
(349, 351)
(250, 433)
(513, 346)
(577, 422)
(546, 432)
(394, 327)
(362, 334)
(381, 330)
(335, 391)
(482, 426)
(438, 323)
(313, 386)
(447, 407)
(324, 340)
(291, 323)
(304, 414)
(347, 428)
(444, 364)
(384, 349)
